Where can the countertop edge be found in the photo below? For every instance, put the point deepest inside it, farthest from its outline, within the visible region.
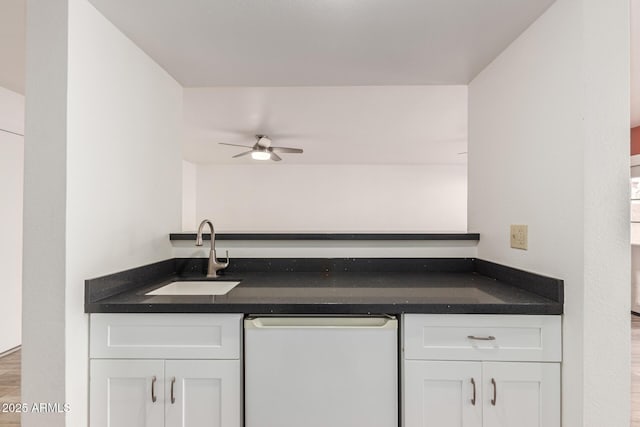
(329, 236)
(330, 309)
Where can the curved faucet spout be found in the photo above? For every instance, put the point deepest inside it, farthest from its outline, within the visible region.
(199, 235)
(213, 265)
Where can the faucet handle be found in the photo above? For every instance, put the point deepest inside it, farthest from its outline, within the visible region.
(226, 261)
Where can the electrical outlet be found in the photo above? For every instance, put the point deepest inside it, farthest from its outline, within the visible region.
(519, 236)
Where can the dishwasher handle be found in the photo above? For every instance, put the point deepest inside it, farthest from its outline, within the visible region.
(368, 322)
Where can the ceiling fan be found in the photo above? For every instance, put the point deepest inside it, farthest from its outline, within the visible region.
(262, 149)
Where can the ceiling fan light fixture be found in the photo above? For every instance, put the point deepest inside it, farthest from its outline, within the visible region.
(260, 155)
(262, 149)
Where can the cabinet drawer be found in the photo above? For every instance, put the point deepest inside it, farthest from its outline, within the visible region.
(165, 336)
(482, 337)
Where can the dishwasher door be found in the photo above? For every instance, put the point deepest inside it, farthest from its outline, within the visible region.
(321, 372)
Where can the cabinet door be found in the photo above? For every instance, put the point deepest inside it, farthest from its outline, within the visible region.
(441, 394)
(521, 394)
(206, 393)
(122, 393)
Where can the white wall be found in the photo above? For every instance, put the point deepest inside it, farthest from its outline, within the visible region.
(606, 212)
(189, 182)
(11, 111)
(330, 249)
(333, 198)
(548, 147)
(122, 180)
(43, 274)
(11, 189)
(635, 62)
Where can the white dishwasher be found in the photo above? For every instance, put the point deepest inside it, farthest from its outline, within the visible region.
(321, 371)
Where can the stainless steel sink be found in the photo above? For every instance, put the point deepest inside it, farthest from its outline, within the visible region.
(201, 287)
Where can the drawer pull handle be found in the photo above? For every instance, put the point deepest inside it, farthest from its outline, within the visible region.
(473, 399)
(173, 397)
(489, 338)
(153, 389)
(495, 392)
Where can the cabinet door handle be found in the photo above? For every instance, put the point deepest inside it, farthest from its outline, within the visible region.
(153, 389)
(173, 398)
(495, 391)
(489, 338)
(473, 399)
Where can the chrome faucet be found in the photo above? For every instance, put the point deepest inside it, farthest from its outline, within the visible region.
(214, 265)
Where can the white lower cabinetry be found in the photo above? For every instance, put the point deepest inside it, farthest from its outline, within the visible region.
(185, 370)
(166, 392)
(440, 394)
(485, 390)
(206, 393)
(526, 394)
(121, 393)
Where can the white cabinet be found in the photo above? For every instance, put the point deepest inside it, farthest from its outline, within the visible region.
(521, 394)
(178, 383)
(165, 336)
(478, 386)
(482, 337)
(206, 393)
(121, 393)
(442, 394)
(475, 394)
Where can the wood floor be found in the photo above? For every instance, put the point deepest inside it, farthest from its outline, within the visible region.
(9, 388)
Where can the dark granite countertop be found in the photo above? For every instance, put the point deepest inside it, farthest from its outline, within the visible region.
(333, 286)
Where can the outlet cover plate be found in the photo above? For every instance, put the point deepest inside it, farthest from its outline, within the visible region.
(519, 236)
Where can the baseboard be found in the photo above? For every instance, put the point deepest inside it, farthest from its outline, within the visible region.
(11, 350)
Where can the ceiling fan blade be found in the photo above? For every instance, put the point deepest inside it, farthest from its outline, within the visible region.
(242, 154)
(235, 145)
(275, 157)
(287, 150)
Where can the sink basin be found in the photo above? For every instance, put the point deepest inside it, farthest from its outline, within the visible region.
(195, 288)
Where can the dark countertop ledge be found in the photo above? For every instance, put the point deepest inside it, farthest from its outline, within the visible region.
(334, 286)
(329, 236)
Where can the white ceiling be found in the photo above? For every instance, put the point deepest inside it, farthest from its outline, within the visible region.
(12, 44)
(322, 42)
(334, 125)
(292, 43)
